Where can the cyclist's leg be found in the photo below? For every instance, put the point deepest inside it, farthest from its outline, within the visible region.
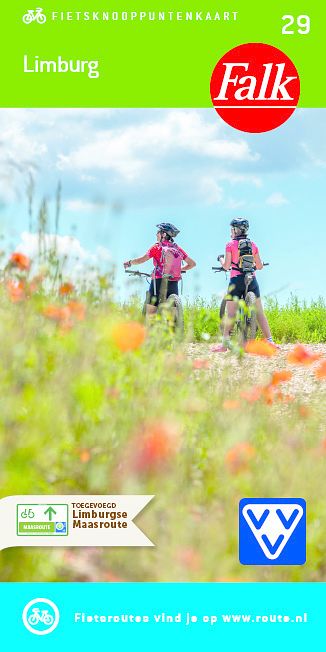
(229, 317)
(260, 315)
(172, 288)
(151, 308)
(231, 311)
(234, 290)
(175, 306)
(262, 319)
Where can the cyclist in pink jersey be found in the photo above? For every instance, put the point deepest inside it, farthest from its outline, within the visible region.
(164, 241)
(230, 261)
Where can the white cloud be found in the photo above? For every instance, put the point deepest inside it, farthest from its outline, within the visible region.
(67, 246)
(19, 155)
(233, 204)
(79, 113)
(29, 138)
(313, 158)
(83, 206)
(235, 178)
(210, 191)
(103, 254)
(134, 149)
(276, 199)
(88, 178)
(97, 151)
(76, 260)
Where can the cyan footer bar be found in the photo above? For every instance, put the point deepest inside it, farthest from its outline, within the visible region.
(264, 616)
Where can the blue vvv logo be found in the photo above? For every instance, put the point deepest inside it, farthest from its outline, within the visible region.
(272, 531)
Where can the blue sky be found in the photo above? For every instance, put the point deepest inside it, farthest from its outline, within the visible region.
(122, 171)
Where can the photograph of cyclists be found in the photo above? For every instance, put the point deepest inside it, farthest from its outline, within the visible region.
(242, 258)
(163, 331)
(168, 259)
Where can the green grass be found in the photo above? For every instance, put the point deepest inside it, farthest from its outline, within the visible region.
(294, 321)
(76, 410)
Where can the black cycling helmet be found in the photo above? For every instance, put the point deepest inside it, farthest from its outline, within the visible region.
(241, 224)
(168, 228)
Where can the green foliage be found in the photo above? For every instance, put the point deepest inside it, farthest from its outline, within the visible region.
(294, 321)
(74, 409)
(298, 321)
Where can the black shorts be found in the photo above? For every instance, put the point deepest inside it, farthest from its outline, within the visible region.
(172, 289)
(237, 287)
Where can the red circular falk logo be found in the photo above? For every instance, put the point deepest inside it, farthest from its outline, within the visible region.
(255, 87)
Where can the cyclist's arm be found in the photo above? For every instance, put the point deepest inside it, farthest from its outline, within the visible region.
(226, 261)
(190, 263)
(258, 262)
(136, 261)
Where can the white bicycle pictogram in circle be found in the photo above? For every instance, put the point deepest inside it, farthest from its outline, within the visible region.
(40, 616)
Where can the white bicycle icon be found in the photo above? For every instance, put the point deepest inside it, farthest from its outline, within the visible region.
(38, 616)
(34, 14)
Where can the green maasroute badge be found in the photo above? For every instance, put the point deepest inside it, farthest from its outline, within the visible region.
(42, 519)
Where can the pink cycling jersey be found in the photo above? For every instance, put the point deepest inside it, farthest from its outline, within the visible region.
(232, 247)
(155, 252)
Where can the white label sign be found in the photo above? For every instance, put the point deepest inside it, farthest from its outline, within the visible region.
(71, 521)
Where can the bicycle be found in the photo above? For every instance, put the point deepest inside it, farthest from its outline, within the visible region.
(40, 617)
(246, 320)
(34, 15)
(27, 513)
(165, 304)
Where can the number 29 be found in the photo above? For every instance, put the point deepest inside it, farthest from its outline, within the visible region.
(302, 23)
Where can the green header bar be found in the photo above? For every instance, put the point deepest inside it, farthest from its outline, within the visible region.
(147, 53)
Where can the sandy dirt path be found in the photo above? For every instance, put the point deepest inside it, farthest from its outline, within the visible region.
(255, 370)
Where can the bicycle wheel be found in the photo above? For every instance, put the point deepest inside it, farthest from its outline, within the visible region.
(48, 619)
(28, 18)
(250, 322)
(32, 619)
(176, 305)
(146, 303)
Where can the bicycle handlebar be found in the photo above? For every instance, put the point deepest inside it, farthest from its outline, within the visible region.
(137, 273)
(221, 269)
